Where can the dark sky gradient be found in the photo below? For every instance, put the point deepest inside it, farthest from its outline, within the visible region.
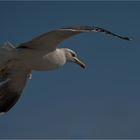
(102, 101)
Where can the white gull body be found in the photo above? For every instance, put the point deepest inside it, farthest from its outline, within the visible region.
(40, 54)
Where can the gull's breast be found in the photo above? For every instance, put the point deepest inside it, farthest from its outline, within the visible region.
(49, 61)
(38, 60)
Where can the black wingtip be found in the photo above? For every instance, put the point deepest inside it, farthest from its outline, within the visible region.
(96, 29)
(127, 38)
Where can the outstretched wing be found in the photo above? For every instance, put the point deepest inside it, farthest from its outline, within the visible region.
(12, 82)
(50, 40)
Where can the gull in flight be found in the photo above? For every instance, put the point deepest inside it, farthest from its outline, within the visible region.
(38, 54)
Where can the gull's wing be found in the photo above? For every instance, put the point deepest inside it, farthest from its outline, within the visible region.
(12, 82)
(50, 40)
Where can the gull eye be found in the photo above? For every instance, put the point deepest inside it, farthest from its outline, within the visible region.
(73, 55)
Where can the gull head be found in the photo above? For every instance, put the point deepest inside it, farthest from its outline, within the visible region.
(71, 56)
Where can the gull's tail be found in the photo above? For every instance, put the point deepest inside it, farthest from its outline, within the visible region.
(7, 52)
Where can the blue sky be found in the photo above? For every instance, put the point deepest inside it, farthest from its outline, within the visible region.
(101, 101)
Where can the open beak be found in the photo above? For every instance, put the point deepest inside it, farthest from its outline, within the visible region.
(80, 63)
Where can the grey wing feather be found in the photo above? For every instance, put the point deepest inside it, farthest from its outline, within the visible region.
(12, 83)
(50, 40)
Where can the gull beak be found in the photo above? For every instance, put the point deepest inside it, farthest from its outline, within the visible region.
(80, 63)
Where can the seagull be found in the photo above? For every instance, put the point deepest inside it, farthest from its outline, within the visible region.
(39, 54)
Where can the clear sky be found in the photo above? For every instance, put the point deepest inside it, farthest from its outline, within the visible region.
(102, 101)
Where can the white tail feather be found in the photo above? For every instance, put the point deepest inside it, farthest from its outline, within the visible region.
(7, 52)
(8, 46)
(2, 113)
